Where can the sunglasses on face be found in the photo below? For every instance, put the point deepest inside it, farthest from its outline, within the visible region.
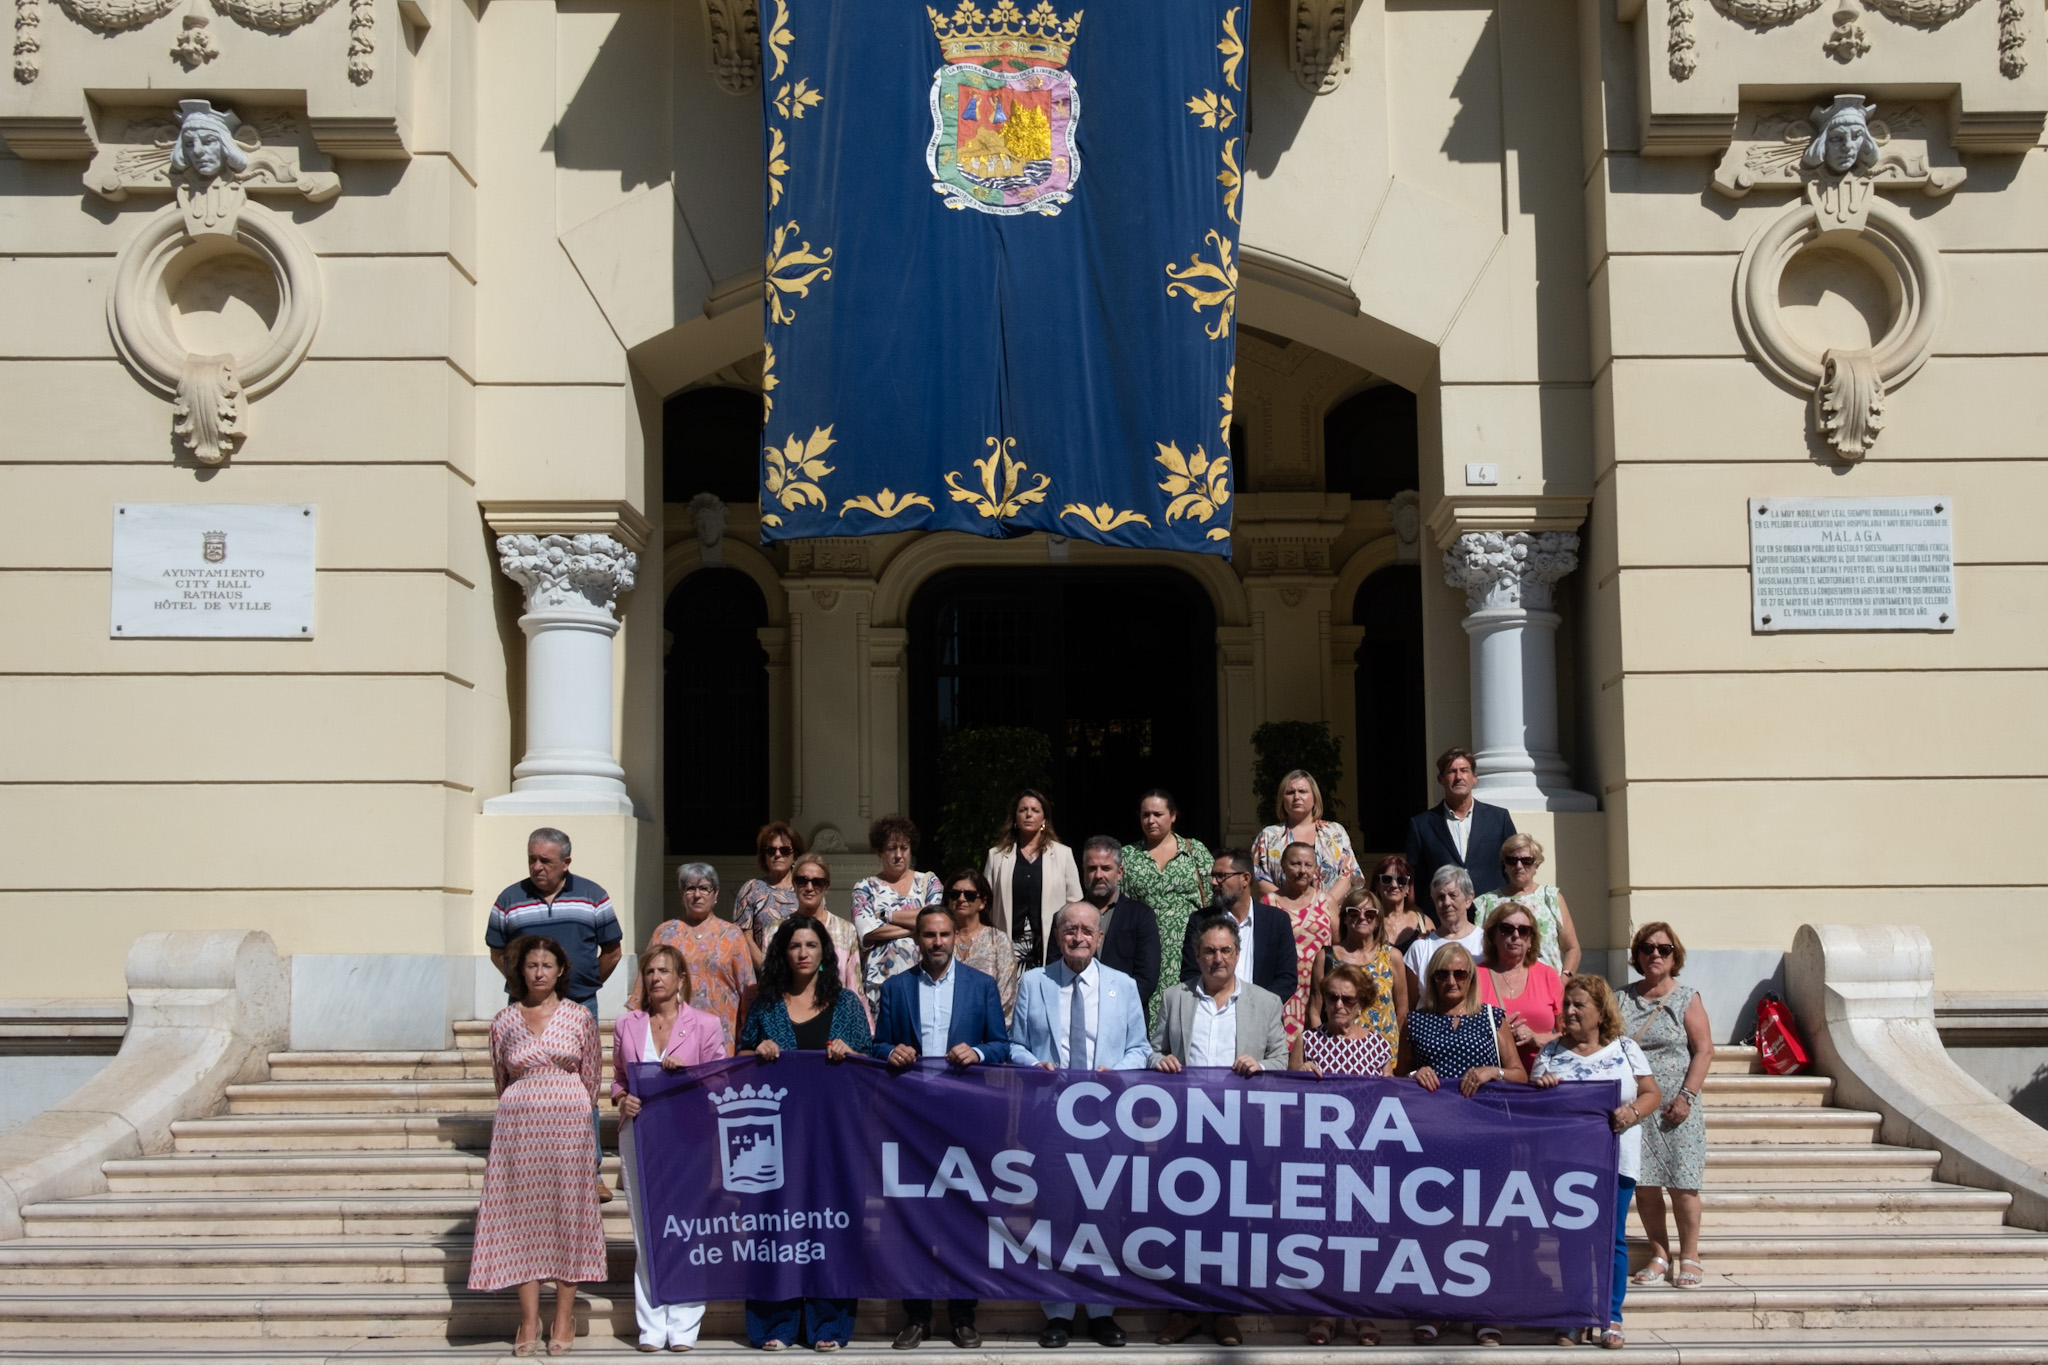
(1349, 1002)
(1515, 931)
(1659, 949)
(1449, 974)
(1521, 860)
(1389, 879)
(809, 882)
(963, 894)
(1363, 912)
(780, 851)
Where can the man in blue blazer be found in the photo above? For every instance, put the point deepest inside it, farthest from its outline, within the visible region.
(1076, 1013)
(942, 1009)
(1459, 830)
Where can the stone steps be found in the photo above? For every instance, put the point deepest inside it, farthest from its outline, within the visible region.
(1803, 1125)
(1870, 1211)
(433, 1213)
(1757, 1164)
(303, 1171)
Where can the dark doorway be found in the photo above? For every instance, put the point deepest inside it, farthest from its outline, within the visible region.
(1392, 779)
(711, 443)
(1369, 444)
(715, 691)
(1116, 666)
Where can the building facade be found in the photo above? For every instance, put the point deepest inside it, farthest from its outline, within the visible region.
(1536, 303)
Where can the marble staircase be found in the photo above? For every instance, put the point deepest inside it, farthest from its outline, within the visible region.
(325, 1215)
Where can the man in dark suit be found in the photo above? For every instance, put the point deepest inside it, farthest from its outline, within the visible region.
(1130, 931)
(1459, 830)
(1265, 936)
(942, 1009)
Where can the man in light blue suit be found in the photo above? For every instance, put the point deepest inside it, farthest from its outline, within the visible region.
(1076, 1014)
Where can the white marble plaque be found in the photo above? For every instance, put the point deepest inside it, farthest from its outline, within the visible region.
(215, 571)
(1851, 564)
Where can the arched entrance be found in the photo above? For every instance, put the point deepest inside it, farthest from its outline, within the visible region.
(1116, 666)
(715, 690)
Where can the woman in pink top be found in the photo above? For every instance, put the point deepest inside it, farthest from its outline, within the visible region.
(679, 1035)
(1530, 992)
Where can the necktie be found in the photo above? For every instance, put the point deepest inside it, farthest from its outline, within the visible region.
(1077, 1031)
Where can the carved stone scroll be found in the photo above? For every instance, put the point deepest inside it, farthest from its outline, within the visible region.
(28, 40)
(732, 29)
(362, 42)
(1321, 55)
(117, 16)
(273, 16)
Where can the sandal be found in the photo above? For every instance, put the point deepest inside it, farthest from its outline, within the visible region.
(1426, 1332)
(1368, 1332)
(1319, 1332)
(1657, 1269)
(774, 1345)
(1689, 1279)
(1564, 1339)
(825, 1346)
(1486, 1336)
(1612, 1338)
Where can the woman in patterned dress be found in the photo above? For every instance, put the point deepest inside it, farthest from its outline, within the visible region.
(538, 1218)
(802, 1005)
(981, 946)
(812, 878)
(721, 965)
(1452, 1037)
(1170, 873)
(1343, 1044)
(1308, 908)
(1300, 803)
(1362, 943)
(764, 902)
(1392, 887)
(1558, 938)
(1669, 1023)
(886, 906)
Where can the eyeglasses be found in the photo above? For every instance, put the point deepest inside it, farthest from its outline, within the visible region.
(808, 882)
(1517, 860)
(1362, 911)
(1448, 974)
(963, 894)
(1515, 931)
(1349, 1002)
(1389, 879)
(1659, 949)
(780, 850)
(700, 890)
(1226, 876)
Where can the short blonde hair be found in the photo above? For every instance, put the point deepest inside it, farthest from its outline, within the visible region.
(804, 860)
(1601, 996)
(1445, 955)
(1315, 790)
(1517, 843)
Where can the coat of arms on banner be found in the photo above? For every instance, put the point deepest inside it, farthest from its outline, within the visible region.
(750, 1138)
(213, 546)
(1004, 109)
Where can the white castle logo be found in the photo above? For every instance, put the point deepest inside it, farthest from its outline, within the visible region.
(750, 1138)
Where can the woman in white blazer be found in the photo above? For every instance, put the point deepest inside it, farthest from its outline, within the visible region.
(1033, 876)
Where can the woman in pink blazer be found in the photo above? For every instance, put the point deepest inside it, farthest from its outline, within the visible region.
(680, 1035)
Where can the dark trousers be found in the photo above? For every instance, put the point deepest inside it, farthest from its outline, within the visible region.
(791, 1321)
(959, 1312)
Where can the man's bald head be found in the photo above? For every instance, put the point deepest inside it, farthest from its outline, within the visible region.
(1077, 934)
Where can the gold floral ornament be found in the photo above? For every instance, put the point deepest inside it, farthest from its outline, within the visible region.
(1195, 280)
(1229, 398)
(794, 471)
(779, 38)
(1231, 181)
(1198, 485)
(1104, 517)
(769, 381)
(1010, 500)
(1232, 48)
(793, 101)
(778, 165)
(885, 503)
(794, 270)
(1214, 110)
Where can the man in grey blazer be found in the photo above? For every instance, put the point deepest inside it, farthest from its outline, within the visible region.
(1077, 1014)
(1217, 1021)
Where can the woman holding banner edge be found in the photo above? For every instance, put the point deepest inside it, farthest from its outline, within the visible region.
(803, 1006)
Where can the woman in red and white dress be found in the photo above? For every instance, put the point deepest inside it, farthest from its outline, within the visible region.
(1343, 1044)
(1314, 917)
(539, 1218)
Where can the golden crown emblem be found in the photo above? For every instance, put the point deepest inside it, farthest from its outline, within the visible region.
(1005, 35)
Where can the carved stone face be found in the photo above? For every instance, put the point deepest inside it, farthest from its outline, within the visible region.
(1844, 142)
(205, 149)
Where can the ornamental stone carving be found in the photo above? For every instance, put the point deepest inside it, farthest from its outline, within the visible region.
(28, 40)
(1510, 569)
(707, 518)
(732, 30)
(1404, 509)
(580, 572)
(1321, 55)
(1841, 239)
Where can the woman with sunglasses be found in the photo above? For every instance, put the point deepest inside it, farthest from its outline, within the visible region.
(1309, 910)
(1342, 1044)
(1362, 943)
(812, 878)
(980, 945)
(1452, 1038)
(1558, 940)
(764, 902)
(1531, 993)
(1392, 888)
(1667, 1020)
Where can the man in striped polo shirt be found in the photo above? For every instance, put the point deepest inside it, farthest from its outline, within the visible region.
(573, 911)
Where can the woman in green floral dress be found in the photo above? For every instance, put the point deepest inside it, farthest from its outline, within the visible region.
(1170, 873)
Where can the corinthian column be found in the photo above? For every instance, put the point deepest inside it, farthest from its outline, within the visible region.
(1508, 579)
(572, 583)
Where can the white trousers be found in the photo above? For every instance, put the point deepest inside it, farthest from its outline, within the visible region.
(661, 1324)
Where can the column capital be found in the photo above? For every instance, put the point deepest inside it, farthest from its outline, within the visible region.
(1510, 568)
(585, 572)
(1456, 514)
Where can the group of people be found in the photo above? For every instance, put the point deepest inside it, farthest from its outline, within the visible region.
(1290, 957)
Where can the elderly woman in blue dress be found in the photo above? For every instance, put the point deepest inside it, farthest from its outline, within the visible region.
(803, 1006)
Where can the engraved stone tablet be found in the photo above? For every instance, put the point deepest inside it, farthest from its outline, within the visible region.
(213, 570)
(1851, 564)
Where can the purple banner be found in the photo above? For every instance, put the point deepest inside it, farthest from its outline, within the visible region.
(1202, 1190)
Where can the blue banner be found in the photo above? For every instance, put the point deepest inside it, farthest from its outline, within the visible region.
(1201, 1190)
(1001, 270)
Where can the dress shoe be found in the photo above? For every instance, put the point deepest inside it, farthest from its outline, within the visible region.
(1106, 1332)
(1058, 1331)
(604, 1193)
(912, 1335)
(1226, 1330)
(1179, 1327)
(965, 1335)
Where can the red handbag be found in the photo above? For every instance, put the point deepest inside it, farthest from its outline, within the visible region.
(1778, 1048)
